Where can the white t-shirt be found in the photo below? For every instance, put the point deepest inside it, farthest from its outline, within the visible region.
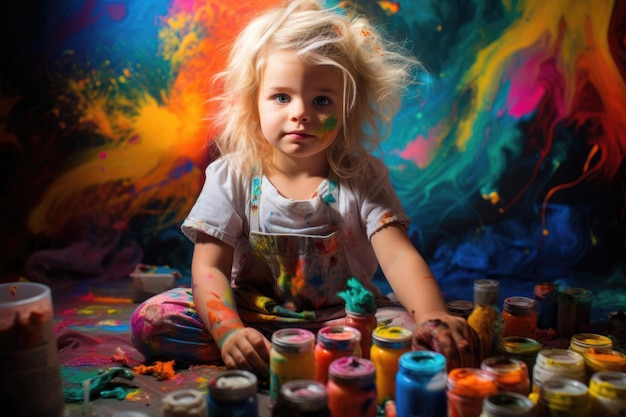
(364, 206)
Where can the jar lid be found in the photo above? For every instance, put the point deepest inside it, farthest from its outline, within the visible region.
(307, 394)
(587, 340)
(471, 382)
(508, 404)
(190, 401)
(233, 385)
(519, 345)
(293, 340)
(460, 308)
(545, 289)
(519, 305)
(581, 294)
(507, 371)
(609, 384)
(423, 362)
(392, 337)
(338, 337)
(604, 359)
(561, 358)
(352, 370)
(564, 393)
(486, 291)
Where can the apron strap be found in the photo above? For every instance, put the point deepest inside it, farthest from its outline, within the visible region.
(256, 189)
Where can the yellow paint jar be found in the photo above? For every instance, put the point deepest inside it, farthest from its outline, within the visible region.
(292, 357)
(563, 397)
(557, 363)
(388, 344)
(607, 390)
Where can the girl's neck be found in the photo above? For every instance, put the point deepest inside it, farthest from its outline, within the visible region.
(297, 180)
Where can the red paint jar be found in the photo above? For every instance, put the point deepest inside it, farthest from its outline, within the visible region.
(365, 324)
(352, 387)
(520, 317)
(334, 342)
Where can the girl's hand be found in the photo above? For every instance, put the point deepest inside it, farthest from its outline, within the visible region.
(450, 336)
(247, 349)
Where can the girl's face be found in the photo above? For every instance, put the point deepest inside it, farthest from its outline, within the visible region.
(300, 106)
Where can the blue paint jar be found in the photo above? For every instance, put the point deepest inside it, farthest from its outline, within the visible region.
(233, 393)
(421, 384)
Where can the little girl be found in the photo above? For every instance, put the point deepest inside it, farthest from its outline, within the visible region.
(296, 204)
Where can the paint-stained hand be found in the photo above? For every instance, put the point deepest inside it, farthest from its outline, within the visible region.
(452, 337)
(247, 349)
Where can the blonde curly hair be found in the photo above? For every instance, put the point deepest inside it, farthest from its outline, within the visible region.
(375, 73)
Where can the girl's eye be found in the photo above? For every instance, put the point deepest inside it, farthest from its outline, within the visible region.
(321, 101)
(282, 98)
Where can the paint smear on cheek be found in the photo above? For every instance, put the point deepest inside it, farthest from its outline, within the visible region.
(327, 127)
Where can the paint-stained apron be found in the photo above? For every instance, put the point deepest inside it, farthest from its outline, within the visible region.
(295, 278)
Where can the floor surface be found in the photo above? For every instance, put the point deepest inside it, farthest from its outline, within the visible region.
(92, 325)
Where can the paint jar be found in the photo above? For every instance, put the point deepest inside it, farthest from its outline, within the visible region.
(185, 403)
(30, 375)
(233, 393)
(487, 293)
(617, 327)
(563, 397)
(522, 348)
(552, 363)
(520, 317)
(460, 308)
(607, 390)
(421, 384)
(388, 344)
(292, 356)
(302, 398)
(467, 389)
(546, 294)
(507, 404)
(365, 323)
(334, 342)
(352, 387)
(574, 312)
(603, 359)
(511, 374)
(582, 341)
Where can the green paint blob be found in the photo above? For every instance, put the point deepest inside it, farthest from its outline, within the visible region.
(97, 384)
(358, 299)
(329, 125)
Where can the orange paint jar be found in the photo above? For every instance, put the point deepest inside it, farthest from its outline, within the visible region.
(511, 374)
(520, 317)
(603, 359)
(334, 342)
(467, 388)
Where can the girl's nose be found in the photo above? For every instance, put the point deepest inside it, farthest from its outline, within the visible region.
(299, 112)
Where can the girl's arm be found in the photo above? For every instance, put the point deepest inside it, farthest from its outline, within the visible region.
(419, 293)
(241, 347)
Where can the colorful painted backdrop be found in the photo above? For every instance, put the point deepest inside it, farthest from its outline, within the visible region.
(509, 157)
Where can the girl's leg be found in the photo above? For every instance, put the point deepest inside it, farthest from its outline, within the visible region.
(166, 327)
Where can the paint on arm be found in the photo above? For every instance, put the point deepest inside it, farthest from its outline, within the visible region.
(222, 317)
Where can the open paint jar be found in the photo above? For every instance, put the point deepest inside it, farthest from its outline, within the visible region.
(30, 376)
